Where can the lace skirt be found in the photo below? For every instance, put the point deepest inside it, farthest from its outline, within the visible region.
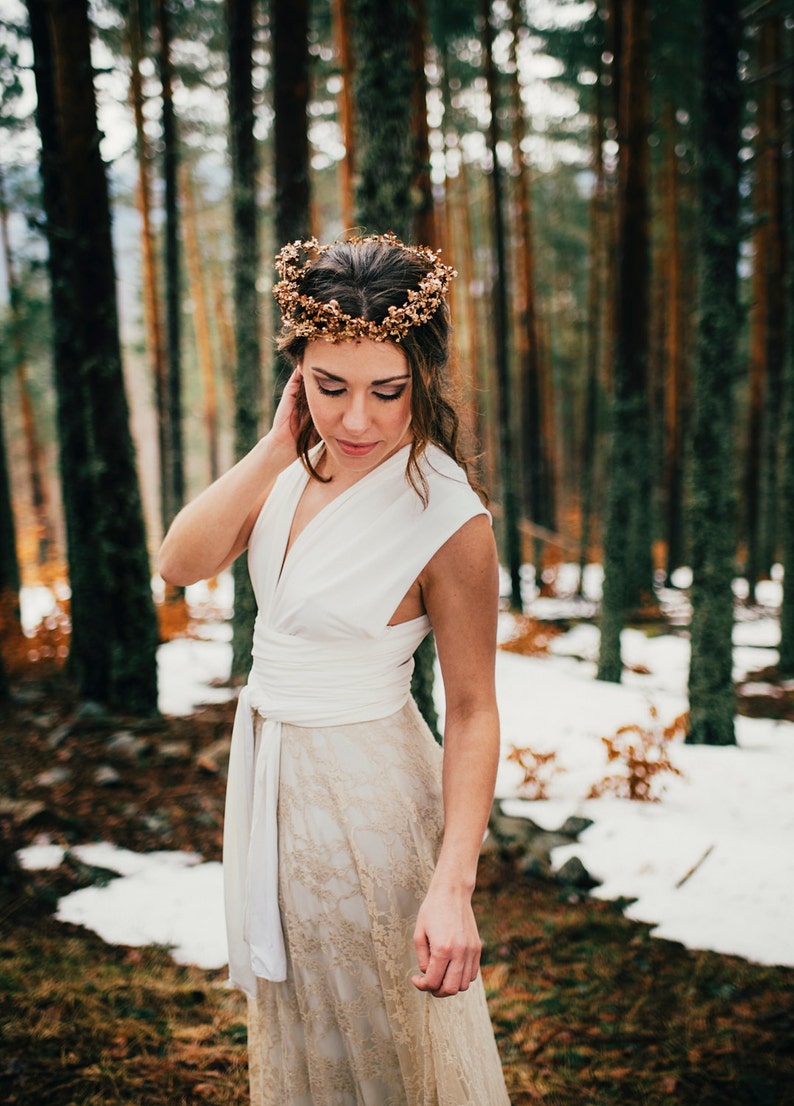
(360, 823)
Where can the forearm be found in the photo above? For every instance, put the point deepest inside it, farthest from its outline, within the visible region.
(471, 757)
(211, 530)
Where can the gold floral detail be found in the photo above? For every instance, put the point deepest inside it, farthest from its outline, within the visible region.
(309, 318)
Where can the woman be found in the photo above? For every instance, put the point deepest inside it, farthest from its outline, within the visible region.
(350, 850)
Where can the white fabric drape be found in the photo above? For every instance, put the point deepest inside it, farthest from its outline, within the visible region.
(323, 655)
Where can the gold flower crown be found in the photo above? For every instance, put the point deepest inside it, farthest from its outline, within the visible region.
(307, 317)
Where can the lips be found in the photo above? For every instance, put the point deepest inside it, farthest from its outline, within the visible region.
(356, 449)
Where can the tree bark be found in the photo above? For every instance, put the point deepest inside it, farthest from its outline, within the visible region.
(114, 630)
(628, 573)
(248, 392)
(673, 361)
(347, 166)
(507, 458)
(150, 278)
(383, 88)
(596, 279)
(33, 451)
(786, 662)
(291, 137)
(201, 322)
(712, 524)
(538, 499)
(772, 123)
(175, 488)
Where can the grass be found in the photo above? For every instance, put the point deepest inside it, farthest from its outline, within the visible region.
(588, 1008)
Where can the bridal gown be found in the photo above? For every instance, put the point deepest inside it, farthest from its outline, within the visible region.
(334, 809)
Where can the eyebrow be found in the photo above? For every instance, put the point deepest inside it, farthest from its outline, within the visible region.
(374, 383)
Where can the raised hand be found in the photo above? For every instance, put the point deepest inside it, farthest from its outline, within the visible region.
(287, 419)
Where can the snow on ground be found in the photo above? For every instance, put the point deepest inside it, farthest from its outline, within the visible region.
(710, 865)
(162, 898)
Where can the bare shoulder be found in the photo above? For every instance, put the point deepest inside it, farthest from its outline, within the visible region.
(460, 584)
(468, 559)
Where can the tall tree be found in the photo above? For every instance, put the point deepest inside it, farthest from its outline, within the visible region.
(114, 630)
(772, 99)
(174, 491)
(342, 44)
(382, 37)
(711, 695)
(248, 392)
(33, 450)
(628, 575)
(291, 87)
(9, 564)
(675, 392)
(150, 272)
(537, 475)
(596, 277)
(290, 107)
(507, 451)
(786, 663)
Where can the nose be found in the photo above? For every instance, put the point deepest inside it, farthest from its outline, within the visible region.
(356, 414)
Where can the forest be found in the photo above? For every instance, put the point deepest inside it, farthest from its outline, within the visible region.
(613, 181)
(622, 310)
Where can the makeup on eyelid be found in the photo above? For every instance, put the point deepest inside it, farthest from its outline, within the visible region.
(359, 397)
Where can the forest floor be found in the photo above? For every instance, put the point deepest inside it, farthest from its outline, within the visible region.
(588, 1008)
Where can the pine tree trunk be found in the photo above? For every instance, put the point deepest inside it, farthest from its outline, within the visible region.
(33, 451)
(347, 165)
(9, 565)
(772, 123)
(628, 574)
(712, 525)
(596, 278)
(673, 359)
(114, 629)
(174, 491)
(291, 139)
(240, 21)
(424, 230)
(508, 474)
(751, 498)
(537, 478)
(290, 104)
(383, 89)
(198, 298)
(786, 661)
(459, 245)
(150, 278)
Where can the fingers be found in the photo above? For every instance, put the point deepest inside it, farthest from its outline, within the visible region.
(445, 974)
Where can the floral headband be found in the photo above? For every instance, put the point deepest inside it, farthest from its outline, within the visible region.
(307, 317)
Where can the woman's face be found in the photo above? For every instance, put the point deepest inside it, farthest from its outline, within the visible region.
(359, 397)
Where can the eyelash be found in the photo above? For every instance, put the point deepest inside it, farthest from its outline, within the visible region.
(385, 398)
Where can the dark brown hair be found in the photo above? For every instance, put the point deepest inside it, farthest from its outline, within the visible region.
(367, 277)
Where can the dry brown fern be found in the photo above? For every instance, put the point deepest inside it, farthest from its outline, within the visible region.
(644, 753)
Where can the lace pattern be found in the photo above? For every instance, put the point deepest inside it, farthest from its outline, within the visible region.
(360, 824)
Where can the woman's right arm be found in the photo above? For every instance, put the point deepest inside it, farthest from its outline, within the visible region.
(212, 530)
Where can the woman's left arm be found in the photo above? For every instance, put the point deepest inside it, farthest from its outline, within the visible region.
(460, 588)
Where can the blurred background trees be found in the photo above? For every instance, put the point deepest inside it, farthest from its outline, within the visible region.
(557, 151)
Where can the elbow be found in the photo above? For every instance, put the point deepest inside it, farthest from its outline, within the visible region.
(172, 570)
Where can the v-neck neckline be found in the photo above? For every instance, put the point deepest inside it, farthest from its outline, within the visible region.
(289, 545)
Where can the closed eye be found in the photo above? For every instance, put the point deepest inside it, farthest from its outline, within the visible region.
(390, 395)
(329, 391)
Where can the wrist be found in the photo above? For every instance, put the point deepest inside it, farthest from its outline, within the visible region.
(454, 879)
